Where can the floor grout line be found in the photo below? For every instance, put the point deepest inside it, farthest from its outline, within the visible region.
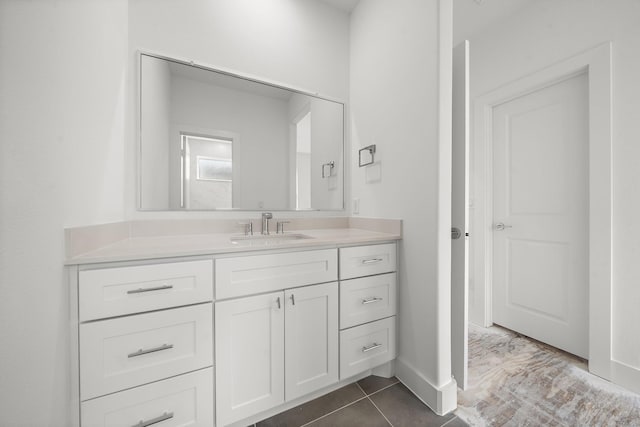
(369, 398)
(382, 389)
(381, 413)
(443, 425)
(334, 411)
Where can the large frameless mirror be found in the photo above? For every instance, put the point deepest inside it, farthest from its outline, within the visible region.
(210, 140)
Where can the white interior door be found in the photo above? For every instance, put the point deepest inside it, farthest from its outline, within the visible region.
(459, 214)
(540, 213)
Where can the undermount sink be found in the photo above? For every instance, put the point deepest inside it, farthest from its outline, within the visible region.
(268, 239)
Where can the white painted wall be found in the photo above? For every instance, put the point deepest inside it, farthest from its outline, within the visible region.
(62, 98)
(301, 44)
(156, 97)
(394, 104)
(549, 31)
(67, 154)
(67, 126)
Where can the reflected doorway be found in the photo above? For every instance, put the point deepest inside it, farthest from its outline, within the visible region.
(303, 162)
(206, 172)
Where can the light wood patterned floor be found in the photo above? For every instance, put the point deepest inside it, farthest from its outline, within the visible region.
(517, 381)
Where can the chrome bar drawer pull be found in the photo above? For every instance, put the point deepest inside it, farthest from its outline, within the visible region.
(156, 420)
(371, 347)
(150, 350)
(371, 300)
(372, 260)
(155, 288)
(278, 301)
(293, 300)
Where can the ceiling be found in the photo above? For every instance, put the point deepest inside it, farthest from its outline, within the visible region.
(473, 16)
(346, 5)
(469, 16)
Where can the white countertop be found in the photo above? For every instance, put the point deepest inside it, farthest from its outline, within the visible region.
(139, 248)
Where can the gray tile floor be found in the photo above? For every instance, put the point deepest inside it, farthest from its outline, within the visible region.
(371, 402)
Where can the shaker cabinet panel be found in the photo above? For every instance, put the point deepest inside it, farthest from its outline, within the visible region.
(255, 336)
(110, 292)
(362, 261)
(185, 400)
(311, 338)
(125, 352)
(249, 356)
(367, 299)
(367, 346)
(247, 275)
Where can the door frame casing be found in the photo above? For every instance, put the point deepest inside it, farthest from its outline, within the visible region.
(460, 215)
(597, 64)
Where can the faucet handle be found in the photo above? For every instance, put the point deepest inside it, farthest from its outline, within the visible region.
(280, 226)
(266, 216)
(248, 227)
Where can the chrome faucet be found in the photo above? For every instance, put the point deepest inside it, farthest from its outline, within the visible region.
(266, 216)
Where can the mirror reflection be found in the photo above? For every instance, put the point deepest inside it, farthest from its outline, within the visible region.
(210, 140)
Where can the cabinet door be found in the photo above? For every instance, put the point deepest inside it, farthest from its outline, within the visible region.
(249, 356)
(311, 331)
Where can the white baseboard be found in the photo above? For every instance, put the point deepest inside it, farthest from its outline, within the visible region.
(625, 376)
(441, 400)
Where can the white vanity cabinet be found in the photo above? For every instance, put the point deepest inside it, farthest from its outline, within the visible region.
(145, 343)
(367, 307)
(255, 335)
(212, 341)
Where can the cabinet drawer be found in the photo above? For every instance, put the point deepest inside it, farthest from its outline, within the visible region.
(367, 299)
(113, 292)
(367, 346)
(129, 351)
(362, 261)
(247, 275)
(179, 401)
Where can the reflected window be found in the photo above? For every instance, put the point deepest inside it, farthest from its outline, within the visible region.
(211, 169)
